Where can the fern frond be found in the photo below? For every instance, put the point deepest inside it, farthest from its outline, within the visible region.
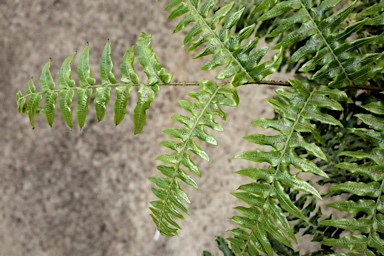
(239, 60)
(67, 86)
(323, 41)
(266, 197)
(369, 165)
(202, 112)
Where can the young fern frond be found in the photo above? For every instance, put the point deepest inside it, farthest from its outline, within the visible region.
(202, 112)
(239, 61)
(67, 87)
(266, 196)
(337, 61)
(370, 188)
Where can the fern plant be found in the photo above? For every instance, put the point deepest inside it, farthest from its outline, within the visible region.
(328, 123)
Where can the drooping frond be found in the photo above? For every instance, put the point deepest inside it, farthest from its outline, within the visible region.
(67, 87)
(264, 220)
(367, 222)
(321, 36)
(171, 196)
(214, 32)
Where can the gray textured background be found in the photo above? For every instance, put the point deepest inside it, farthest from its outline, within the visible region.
(87, 192)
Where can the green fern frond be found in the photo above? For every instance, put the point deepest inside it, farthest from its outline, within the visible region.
(213, 31)
(67, 87)
(266, 197)
(202, 112)
(370, 166)
(324, 40)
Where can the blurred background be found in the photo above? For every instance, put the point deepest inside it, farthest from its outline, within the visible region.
(87, 192)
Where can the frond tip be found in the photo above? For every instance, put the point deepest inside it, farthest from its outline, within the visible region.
(67, 86)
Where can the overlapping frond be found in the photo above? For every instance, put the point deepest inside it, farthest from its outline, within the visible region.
(171, 196)
(367, 222)
(213, 31)
(67, 87)
(324, 41)
(266, 197)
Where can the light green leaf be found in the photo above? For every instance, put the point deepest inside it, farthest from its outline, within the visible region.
(258, 173)
(363, 205)
(276, 233)
(375, 241)
(271, 157)
(373, 172)
(102, 97)
(128, 73)
(147, 58)
(30, 88)
(50, 105)
(146, 97)
(373, 121)
(261, 236)
(351, 224)
(83, 70)
(65, 73)
(120, 108)
(371, 189)
(32, 107)
(280, 219)
(182, 175)
(66, 97)
(296, 183)
(376, 107)
(20, 100)
(354, 242)
(83, 97)
(46, 80)
(261, 189)
(286, 203)
(106, 67)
